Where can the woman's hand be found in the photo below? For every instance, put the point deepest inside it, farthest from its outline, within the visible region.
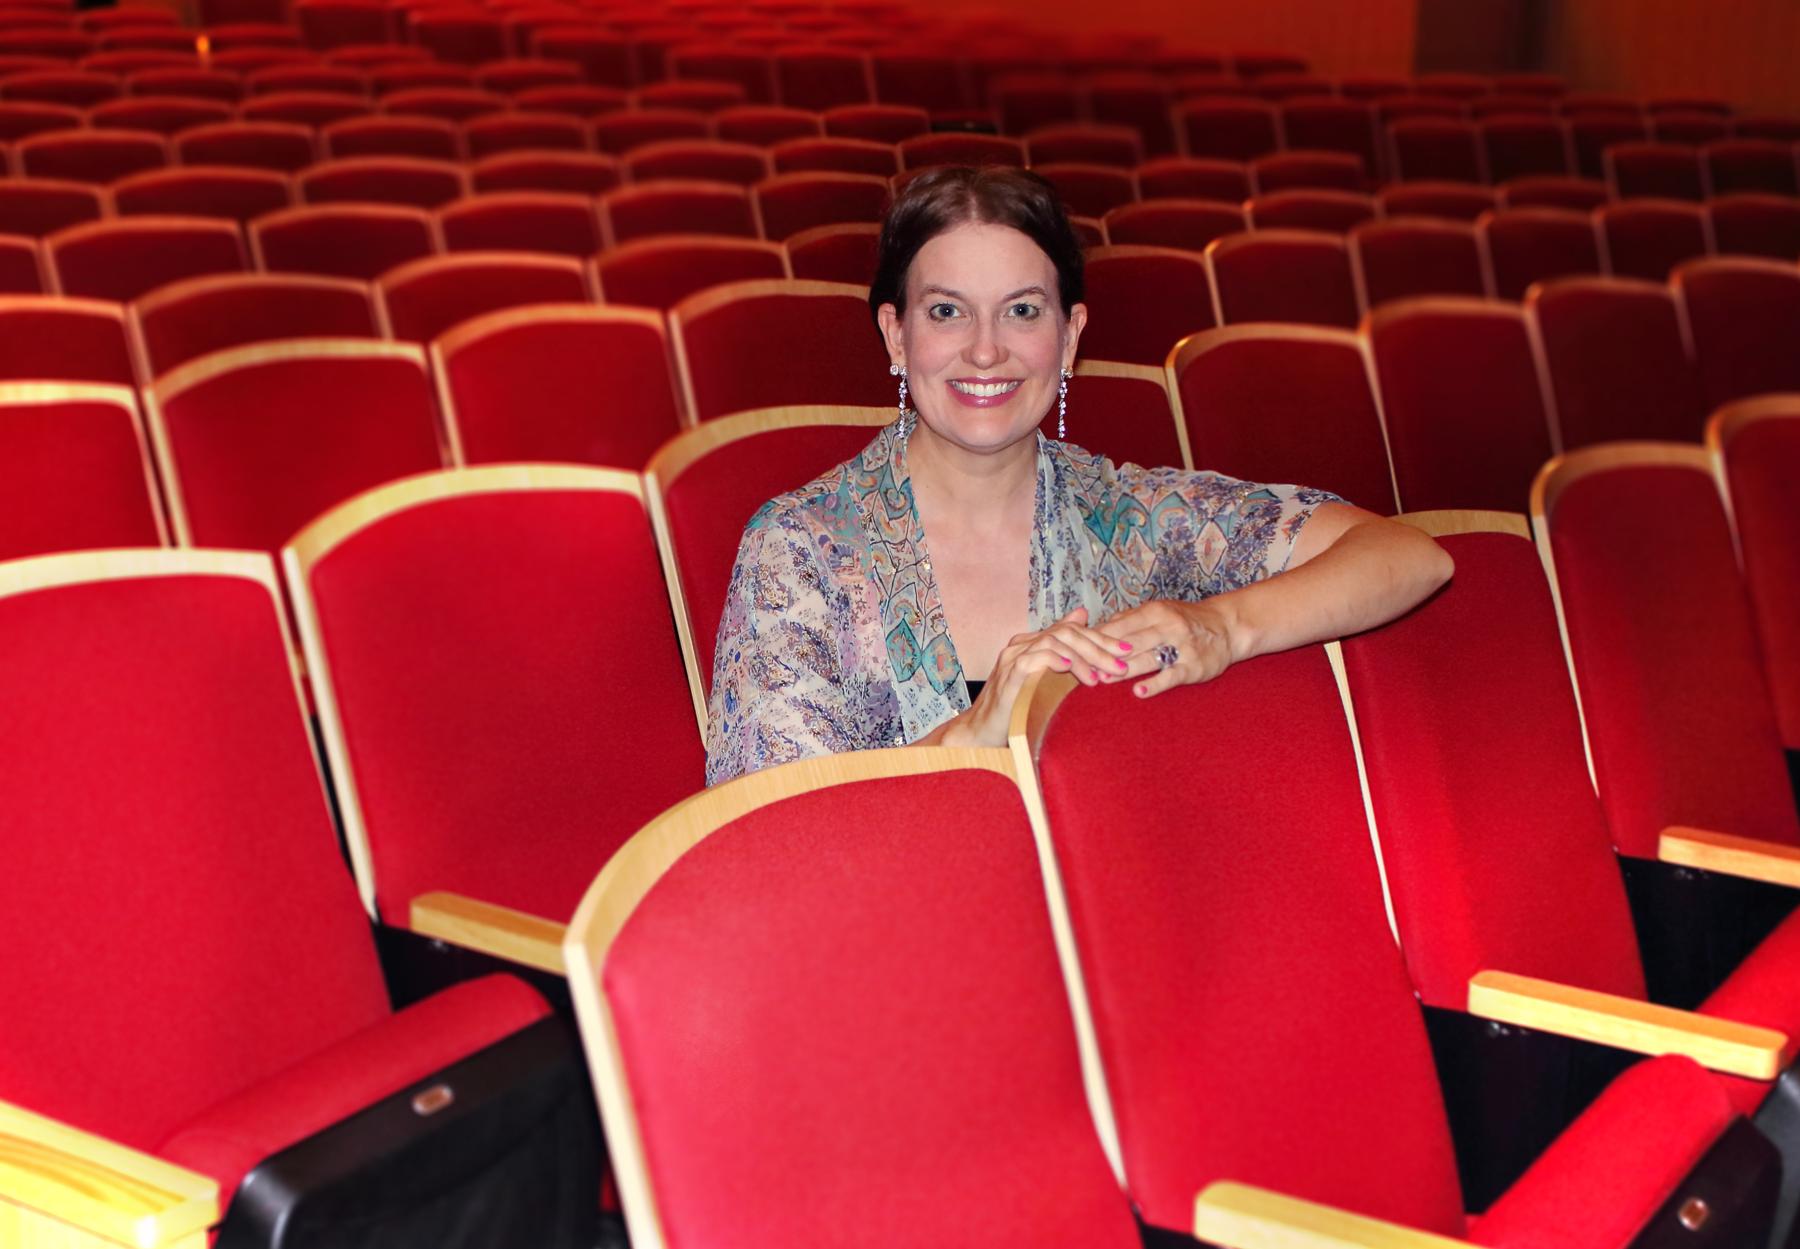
(1069, 645)
(1204, 636)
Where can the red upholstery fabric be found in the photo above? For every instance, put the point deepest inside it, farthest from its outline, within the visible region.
(478, 658)
(1142, 301)
(97, 156)
(879, 123)
(1089, 190)
(660, 272)
(387, 79)
(73, 475)
(722, 62)
(1435, 150)
(565, 385)
(960, 149)
(187, 320)
(517, 75)
(922, 79)
(557, 223)
(69, 87)
(464, 37)
(872, 1024)
(279, 146)
(1118, 146)
(1126, 419)
(228, 1139)
(1618, 365)
(162, 115)
(20, 272)
(304, 108)
(262, 449)
(202, 84)
(1526, 245)
(821, 78)
(402, 180)
(789, 203)
(427, 297)
(328, 24)
(1223, 961)
(1578, 194)
(1309, 171)
(1299, 276)
(1497, 852)
(678, 207)
(63, 340)
(1753, 224)
(845, 253)
(22, 118)
(622, 131)
(457, 104)
(1228, 129)
(313, 78)
(1266, 404)
(1745, 319)
(1761, 991)
(521, 132)
(343, 240)
(135, 890)
(604, 58)
(1518, 147)
(1185, 223)
(424, 138)
(1331, 125)
(1654, 170)
(583, 100)
(737, 359)
(1136, 100)
(1650, 585)
(1465, 415)
(1452, 200)
(1334, 212)
(196, 191)
(1417, 256)
(1662, 1115)
(1647, 238)
(1762, 463)
(835, 155)
(1027, 102)
(35, 207)
(1736, 165)
(766, 125)
(123, 259)
(578, 173)
(1225, 181)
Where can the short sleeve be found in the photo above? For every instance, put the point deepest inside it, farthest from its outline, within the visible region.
(777, 687)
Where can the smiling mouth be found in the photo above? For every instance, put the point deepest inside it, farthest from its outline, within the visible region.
(984, 390)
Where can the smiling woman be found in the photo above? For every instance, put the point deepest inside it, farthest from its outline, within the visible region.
(845, 630)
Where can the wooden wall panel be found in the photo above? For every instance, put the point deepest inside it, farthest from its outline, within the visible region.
(1738, 50)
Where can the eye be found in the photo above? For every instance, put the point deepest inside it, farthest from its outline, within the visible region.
(1024, 311)
(942, 311)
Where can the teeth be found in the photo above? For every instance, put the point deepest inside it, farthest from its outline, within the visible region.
(984, 390)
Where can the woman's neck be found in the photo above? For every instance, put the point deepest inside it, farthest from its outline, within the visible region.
(978, 487)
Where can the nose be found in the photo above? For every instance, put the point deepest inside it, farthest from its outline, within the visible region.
(985, 349)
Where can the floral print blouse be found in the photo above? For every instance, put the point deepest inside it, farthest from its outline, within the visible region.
(834, 638)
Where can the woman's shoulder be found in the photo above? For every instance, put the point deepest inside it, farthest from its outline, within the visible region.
(1096, 476)
(827, 502)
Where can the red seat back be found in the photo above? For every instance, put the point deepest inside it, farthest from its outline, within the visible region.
(1176, 177)
(404, 180)
(556, 222)
(1753, 224)
(1188, 224)
(97, 156)
(64, 339)
(423, 298)
(1764, 165)
(1618, 362)
(671, 207)
(1745, 316)
(424, 138)
(1455, 201)
(1335, 212)
(1323, 124)
(1647, 238)
(841, 253)
(1228, 129)
(786, 204)
(1428, 149)
(123, 259)
(1300, 276)
(186, 320)
(279, 146)
(1142, 301)
(360, 241)
(1653, 170)
(74, 470)
(1415, 256)
(1526, 245)
(661, 272)
(1121, 411)
(1519, 147)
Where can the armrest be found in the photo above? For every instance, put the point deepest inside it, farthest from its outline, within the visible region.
(1239, 1216)
(497, 930)
(54, 1178)
(1730, 855)
(1628, 1024)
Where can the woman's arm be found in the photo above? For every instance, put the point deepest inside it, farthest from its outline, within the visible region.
(1350, 570)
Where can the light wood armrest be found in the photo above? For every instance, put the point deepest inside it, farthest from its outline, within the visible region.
(1240, 1216)
(1729, 855)
(60, 1186)
(497, 930)
(1628, 1024)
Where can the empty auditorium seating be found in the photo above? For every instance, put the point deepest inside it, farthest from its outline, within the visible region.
(1142, 301)
(1696, 129)
(672, 206)
(21, 266)
(89, 155)
(304, 108)
(1426, 149)
(256, 441)
(21, 119)
(200, 191)
(517, 75)
(1283, 403)
(186, 320)
(421, 299)
(268, 922)
(280, 146)
(1334, 212)
(310, 78)
(765, 125)
(127, 257)
(1451, 200)
(1646, 238)
(867, 997)
(408, 181)
(1743, 315)
(1750, 165)
(533, 221)
(34, 207)
(397, 601)
(465, 37)
(64, 339)
(580, 100)
(1189, 224)
(659, 272)
(583, 173)
(1298, 276)
(1086, 145)
(721, 62)
(1462, 399)
(959, 149)
(193, 83)
(1175, 177)
(1089, 190)
(523, 132)
(163, 115)
(1324, 124)
(819, 78)
(456, 104)
(1577, 194)
(1522, 147)
(1660, 170)
(838, 253)
(567, 382)
(1415, 256)
(1316, 171)
(703, 98)
(1228, 129)
(74, 466)
(1120, 411)
(879, 123)
(835, 155)
(1618, 361)
(1526, 245)
(1755, 224)
(342, 240)
(70, 87)
(789, 203)
(427, 138)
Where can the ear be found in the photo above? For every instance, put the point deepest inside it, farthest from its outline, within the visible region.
(1077, 323)
(891, 333)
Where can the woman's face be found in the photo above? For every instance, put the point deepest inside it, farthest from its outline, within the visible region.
(983, 338)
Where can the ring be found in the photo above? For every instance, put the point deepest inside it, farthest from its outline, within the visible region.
(1168, 655)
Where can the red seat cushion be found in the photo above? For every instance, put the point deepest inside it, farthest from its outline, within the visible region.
(229, 1138)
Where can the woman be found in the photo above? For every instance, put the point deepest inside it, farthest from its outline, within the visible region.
(905, 596)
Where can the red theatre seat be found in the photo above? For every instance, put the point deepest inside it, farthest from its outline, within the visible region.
(98, 156)
(840, 253)
(1415, 256)
(1647, 238)
(164, 115)
(1451, 200)
(523, 132)
(203, 191)
(19, 120)
(1755, 224)
(1284, 403)
(403, 180)
(1300, 276)
(458, 104)
(1323, 124)
(835, 155)
(1119, 146)
(577, 173)
(1335, 212)
(1435, 150)
(72, 88)
(1188, 224)
(186, 320)
(1659, 170)
(708, 160)
(34, 207)
(64, 339)
(1744, 315)
(1120, 411)
(819, 78)
(1527, 245)
(194, 84)
(514, 76)
(1463, 402)
(21, 265)
(1142, 301)
(628, 129)
(1134, 101)
(568, 382)
(278, 146)
(1181, 177)
(1574, 194)
(1750, 165)
(663, 208)
(876, 123)
(462, 36)
(522, 221)
(285, 1098)
(312, 79)
(960, 149)
(304, 108)
(424, 138)
(342, 240)
(581, 100)
(256, 441)
(1089, 190)
(1522, 147)
(74, 466)
(1308, 171)
(1228, 129)
(765, 125)
(421, 299)
(786, 204)
(128, 257)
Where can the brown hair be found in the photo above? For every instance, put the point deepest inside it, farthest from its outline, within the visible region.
(940, 199)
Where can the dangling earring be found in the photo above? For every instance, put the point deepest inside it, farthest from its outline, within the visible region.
(1062, 407)
(899, 370)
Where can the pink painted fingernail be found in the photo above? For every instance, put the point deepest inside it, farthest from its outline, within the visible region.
(1124, 646)
(1122, 664)
(1141, 691)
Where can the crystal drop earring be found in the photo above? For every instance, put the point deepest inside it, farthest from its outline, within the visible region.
(1062, 407)
(899, 370)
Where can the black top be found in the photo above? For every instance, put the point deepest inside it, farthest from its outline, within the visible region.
(974, 689)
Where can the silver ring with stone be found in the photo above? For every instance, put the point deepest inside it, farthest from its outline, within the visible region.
(1168, 655)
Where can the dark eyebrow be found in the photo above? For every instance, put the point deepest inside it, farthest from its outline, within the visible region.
(941, 290)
